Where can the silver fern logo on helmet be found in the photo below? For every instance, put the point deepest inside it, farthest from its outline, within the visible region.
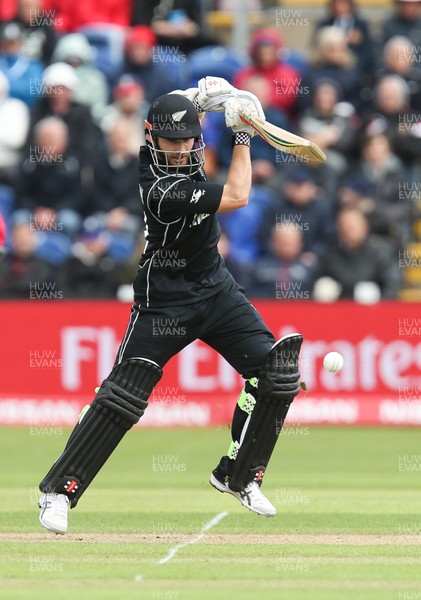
(177, 116)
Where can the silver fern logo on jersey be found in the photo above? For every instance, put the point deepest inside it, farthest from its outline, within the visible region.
(198, 219)
(177, 116)
(197, 194)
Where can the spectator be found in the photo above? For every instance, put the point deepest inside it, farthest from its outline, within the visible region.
(323, 175)
(285, 272)
(24, 74)
(140, 64)
(399, 58)
(358, 192)
(301, 204)
(344, 15)
(332, 59)
(405, 21)
(92, 87)
(21, 268)
(60, 81)
(385, 175)
(130, 105)
(176, 23)
(116, 207)
(355, 256)
(392, 115)
(7, 9)
(90, 272)
(49, 191)
(14, 123)
(381, 167)
(38, 30)
(331, 125)
(284, 80)
(69, 17)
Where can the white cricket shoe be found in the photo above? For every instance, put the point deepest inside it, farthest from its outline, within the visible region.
(251, 497)
(54, 509)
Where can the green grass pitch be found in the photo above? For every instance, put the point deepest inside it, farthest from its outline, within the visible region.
(348, 523)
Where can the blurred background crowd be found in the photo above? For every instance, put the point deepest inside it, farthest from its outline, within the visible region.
(76, 81)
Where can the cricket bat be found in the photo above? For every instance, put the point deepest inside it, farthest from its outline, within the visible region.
(281, 138)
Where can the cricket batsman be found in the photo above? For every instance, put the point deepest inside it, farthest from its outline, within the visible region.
(183, 279)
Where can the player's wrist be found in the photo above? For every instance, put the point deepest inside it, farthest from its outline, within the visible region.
(241, 138)
(197, 106)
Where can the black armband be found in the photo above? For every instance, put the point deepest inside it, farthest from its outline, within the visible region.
(241, 139)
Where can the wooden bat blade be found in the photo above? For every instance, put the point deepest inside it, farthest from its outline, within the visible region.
(282, 139)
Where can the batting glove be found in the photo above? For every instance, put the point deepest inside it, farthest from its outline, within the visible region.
(249, 100)
(232, 115)
(213, 93)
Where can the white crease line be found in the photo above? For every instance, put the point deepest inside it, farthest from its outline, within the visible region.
(205, 528)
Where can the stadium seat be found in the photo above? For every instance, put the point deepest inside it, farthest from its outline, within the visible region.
(410, 295)
(295, 59)
(175, 62)
(108, 42)
(53, 247)
(218, 61)
(417, 229)
(412, 272)
(412, 276)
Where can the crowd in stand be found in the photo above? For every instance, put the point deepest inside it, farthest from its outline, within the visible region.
(75, 87)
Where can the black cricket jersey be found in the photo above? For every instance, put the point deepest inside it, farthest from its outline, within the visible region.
(180, 263)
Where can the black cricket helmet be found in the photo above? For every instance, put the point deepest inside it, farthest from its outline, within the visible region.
(173, 117)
